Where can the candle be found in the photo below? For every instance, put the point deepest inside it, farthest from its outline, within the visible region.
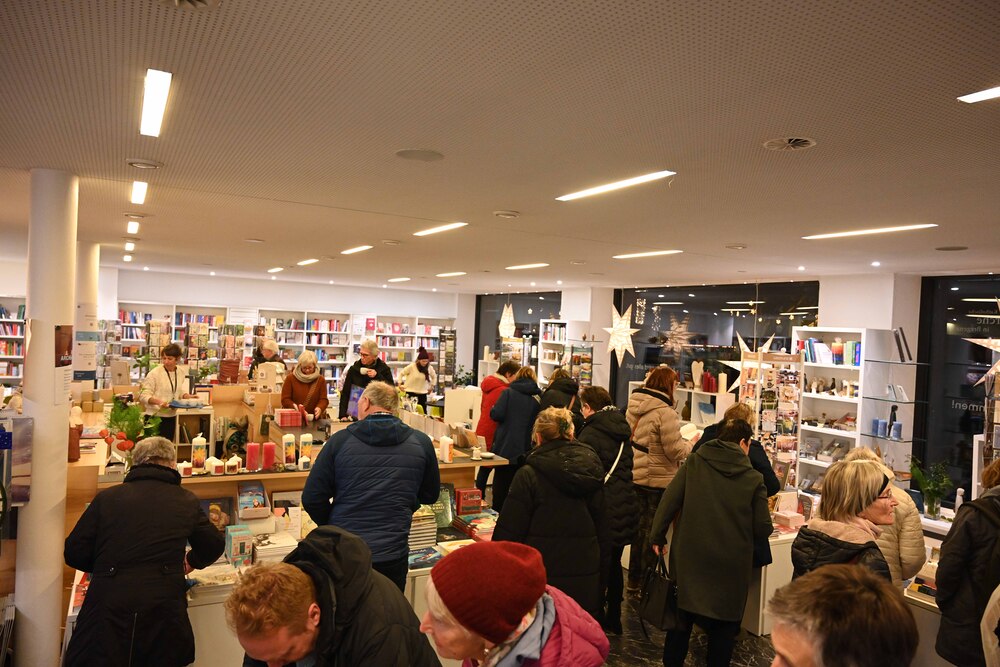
(304, 463)
(306, 445)
(233, 465)
(445, 449)
(215, 466)
(253, 456)
(269, 455)
(288, 444)
(184, 468)
(199, 452)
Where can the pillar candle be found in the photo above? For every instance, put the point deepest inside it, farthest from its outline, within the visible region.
(253, 456)
(288, 445)
(306, 445)
(184, 468)
(233, 464)
(269, 455)
(304, 463)
(199, 452)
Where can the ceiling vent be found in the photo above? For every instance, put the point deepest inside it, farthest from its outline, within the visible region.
(191, 4)
(789, 144)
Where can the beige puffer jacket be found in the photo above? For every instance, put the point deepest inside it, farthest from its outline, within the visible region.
(902, 543)
(655, 426)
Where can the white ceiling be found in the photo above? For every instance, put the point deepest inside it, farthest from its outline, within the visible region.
(284, 119)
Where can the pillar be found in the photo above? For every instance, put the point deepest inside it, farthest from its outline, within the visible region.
(50, 303)
(85, 331)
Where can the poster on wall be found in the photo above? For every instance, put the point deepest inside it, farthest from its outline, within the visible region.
(16, 434)
(63, 376)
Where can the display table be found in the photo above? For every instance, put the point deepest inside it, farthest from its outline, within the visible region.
(938, 527)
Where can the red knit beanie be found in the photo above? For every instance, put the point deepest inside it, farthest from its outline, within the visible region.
(422, 354)
(489, 586)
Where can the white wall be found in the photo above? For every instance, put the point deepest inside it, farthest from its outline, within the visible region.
(107, 293)
(465, 324)
(13, 277)
(594, 307)
(876, 301)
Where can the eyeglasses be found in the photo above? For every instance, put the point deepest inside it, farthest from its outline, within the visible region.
(885, 496)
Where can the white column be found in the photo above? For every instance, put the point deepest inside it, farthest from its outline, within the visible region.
(51, 271)
(85, 332)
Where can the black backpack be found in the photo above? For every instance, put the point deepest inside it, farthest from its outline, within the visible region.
(989, 509)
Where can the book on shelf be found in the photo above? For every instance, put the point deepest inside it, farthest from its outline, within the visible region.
(421, 559)
(252, 500)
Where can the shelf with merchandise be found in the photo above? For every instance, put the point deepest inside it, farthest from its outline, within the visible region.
(905, 363)
(831, 397)
(828, 431)
(815, 462)
(886, 399)
(838, 367)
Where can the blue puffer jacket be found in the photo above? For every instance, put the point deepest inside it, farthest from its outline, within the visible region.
(377, 472)
(515, 413)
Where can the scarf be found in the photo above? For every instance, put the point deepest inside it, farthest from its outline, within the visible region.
(305, 377)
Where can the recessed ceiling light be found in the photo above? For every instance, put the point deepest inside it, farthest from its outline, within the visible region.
(617, 185)
(307, 262)
(154, 101)
(654, 253)
(558, 282)
(277, 269)
(876, 263)
(397, 280)
(862, 232)
(518, 267)
(139, 163)
(137, 216)
(127, 258)
(802, 268)
(541, 298)
(351, 251)
(132, 227)
(691, 295)
(577, 262)
(274, 277)
(390, 242)
(419, 154)
(685, 310)
(384, 286)
(129, 246)
(139, 192)
(532, 283)
(451, 274)
(145, 268)
(439, 229)
(434, 289)
(988, 94)
(211, 273)
(507, 215)
(954, 289)
(952, 248)
(794, 314)
(254, 240)
(331, 282)
(737, 246)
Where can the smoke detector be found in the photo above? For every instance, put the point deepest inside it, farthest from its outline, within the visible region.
(789, 144)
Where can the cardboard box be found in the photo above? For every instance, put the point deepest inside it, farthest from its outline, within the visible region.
(88, 406)
(98, 406)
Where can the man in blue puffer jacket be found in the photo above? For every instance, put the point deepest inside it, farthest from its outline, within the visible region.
(370, 477)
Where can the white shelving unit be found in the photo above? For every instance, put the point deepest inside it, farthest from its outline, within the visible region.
(11, 344)
(553, 339)
(720, 401)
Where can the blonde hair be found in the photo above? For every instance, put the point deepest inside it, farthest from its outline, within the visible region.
(866, 454)
(559, 374)
(740, 411)
(382, 395)
(526, 372)
(307, 358)
(554, 424)
(849, 487)
(270, 596)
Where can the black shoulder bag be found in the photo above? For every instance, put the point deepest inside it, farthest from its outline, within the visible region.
(658, 600)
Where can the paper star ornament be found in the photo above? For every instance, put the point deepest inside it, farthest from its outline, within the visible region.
(507, 326)
(620, 338)
(989, 343)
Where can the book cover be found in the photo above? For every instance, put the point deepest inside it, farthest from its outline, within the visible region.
(420, 559)
(219, 511)
(444, 508)
(252, 501)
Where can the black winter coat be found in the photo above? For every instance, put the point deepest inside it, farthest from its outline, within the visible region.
(515, 413)
(132, 539)
(355, 378)
(561, 394)
(813, 549)
(605, 431)
(364, 619)
(962, 586)
(555, 505)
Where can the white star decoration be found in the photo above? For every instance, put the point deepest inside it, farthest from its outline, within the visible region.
(989, 343)
(507, 326)
(621, 331)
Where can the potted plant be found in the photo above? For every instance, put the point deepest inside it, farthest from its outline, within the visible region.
(934, 483)
(126, 426)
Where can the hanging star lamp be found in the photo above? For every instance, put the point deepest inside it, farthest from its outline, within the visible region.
(990, 344)
(620, 339)
(507, 326)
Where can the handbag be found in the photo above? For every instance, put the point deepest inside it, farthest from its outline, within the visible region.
(658, 600)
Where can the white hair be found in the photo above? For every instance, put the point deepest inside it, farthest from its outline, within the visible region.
(155, 449)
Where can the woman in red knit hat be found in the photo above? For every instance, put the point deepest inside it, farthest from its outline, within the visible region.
(510, 617)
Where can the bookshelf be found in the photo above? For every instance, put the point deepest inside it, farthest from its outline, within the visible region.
(707, 407)
(12, 323)
(553, 339)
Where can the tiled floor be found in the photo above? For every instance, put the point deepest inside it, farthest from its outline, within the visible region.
(632, 649)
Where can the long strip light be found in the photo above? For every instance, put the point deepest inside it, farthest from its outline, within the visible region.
(668, 303)
(977, 300)
(982, 95)
(397, 280)
(452, 274)
(617, 185)
(442, 228)
(518, 267)
(154, 101)
(307, 262)
(139, 189)
(360, 248)
(652, 253)
(863, 232)
(277, 269)
(748, 303)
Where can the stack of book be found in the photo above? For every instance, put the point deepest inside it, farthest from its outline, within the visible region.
(423, 529)
(478, 526)
(273, 546)
(421, 559)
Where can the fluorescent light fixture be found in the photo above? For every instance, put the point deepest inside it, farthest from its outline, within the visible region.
(794, 314)
(145, 268)
(736, 310)
(749, 303)
(685, 310)
(434, 289)
(982, 95)
(154, 101)
(691, 295)
(975, 300)
(442, 228)
(274, 277)
(518, 267)
(351, 251)
(802, 268)
(397, 280)
(277, 269)
(558, 282)
(807, 307)
(532, 283)
(452, 274)
(654, 253)
(307, 262)
(139, 192)
(211, 273)
(127, 258)
(668, 303)
(863, 232)
(954, 289)
(132, 227)
(984, 317)
(876, 263)
(129, 246)
(617, 185)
